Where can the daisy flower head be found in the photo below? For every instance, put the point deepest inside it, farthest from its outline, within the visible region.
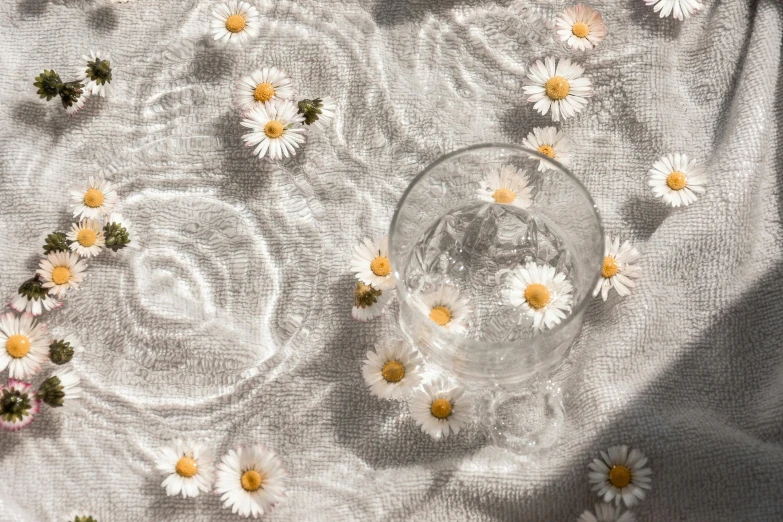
(86, 238)
(61, 389)
(393, 370)
(368, 302)
(261, 86)
(61, 271)
(370, 262)
(544, 294)
(235, 22)
(559, 87)
(319, 111)
(61, 350)
(617, 272)
(679, 9)
(187, 466)
(18, 406)
(677, 180)
(73, 97)
(251, 481)
(95, 73)
(550, 142)
(446, 307)
(440, 408)
(606, 513)
(620, 474)
(506, 185)
(276, 128)
(94, 199)
(24, 345)
(118, 232)
(32, 297)
(580, 27)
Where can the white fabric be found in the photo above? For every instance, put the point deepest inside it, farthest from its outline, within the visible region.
(232, 322)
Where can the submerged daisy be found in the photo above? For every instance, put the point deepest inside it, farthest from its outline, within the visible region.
(86, 238)
(677, 180)
(32, 297)
(95, 73)
(61, 389)
(118, 232)
(235, 22)
(679, 9)
(550, 142)
(24, 345)
(543, 294)
(368, 301)
(261, 86)
(393, 370)
(446, 308)
(440, 408)
(319, 111)
(581, 27)
(617, 271)
(558, 86)
(188, 466)
(621, 474)
(94, 199)
(251, 481)
(61, 271)
(506, 185)
(606, 513)
(276, 128)
(18, 406)
(370, 262)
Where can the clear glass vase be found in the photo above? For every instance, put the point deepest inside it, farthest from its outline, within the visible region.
(454, 230)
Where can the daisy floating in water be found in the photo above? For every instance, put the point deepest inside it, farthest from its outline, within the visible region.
(235, 22)
(506, 185)
(368, 302)
(370, 262)
(18, 405)
(677, 180)
(679, 9)
(319, 111)
(61, 389)
(86, 238)
(559, 87)
(261, 86)
(188, 468)
(94, 199)
(543, 294)
(276, 129)
(95, 74)
(440, 409)
(606, 513)
(33, 297)
(251, 481)
(61, 271)
(580, 27)
(618, 272)
(24, 345)
(550, 142)
(393, 370)
(621, 474)
(446, 307)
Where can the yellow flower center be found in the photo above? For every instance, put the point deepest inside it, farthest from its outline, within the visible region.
(504, 195)
(251, 480)
(537, 296)
(61, 275)
(441, 315)
(17, 346)
(676, 180)
(273, 129)
(264, 92)
(93, 198)
(620, 476)
(86, 237)
(557, 88)
(580, 29)
(186, 467)
(393, 371)
(440, 408)
(380, 266)
(235, 23)
(610, 267)
(547, 150)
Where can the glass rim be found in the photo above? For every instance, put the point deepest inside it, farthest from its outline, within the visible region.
(477, 345)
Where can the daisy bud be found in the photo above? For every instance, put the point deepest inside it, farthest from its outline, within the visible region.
(84, 519)
(55, 242)
(70, 93)
(49, 84)
(311, 110)
(116, 236)
(60, 352)
(99, 71)
(51, 392)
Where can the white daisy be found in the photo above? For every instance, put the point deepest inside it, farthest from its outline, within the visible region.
(251, 481)
(550, 142)
(32, 297)
(94, 199)
(370, 262)
(393, 370)
(506, 185)
(235, 22)
(86, 238)
(621, 475)
(446, 308)
(440, 408)
(319, 111)
(679, 9)
(261, 86)
(606, 513)
(581, 27)
(61, 271)
(78, 104)
(543, 294)
(18, 406)
(188, 466)
(61, 389)
(95, 73)
(277, 129)
(368, 302)
(677, 180)
(561, 87)
(119, 232)
(24, 345)
(617, 272)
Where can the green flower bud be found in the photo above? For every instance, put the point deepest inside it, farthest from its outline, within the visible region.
(49, 84)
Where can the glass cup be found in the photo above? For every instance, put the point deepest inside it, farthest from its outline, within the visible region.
(472, 236)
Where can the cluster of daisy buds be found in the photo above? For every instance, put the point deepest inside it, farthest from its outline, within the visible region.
(93, 78)
(251, 480)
